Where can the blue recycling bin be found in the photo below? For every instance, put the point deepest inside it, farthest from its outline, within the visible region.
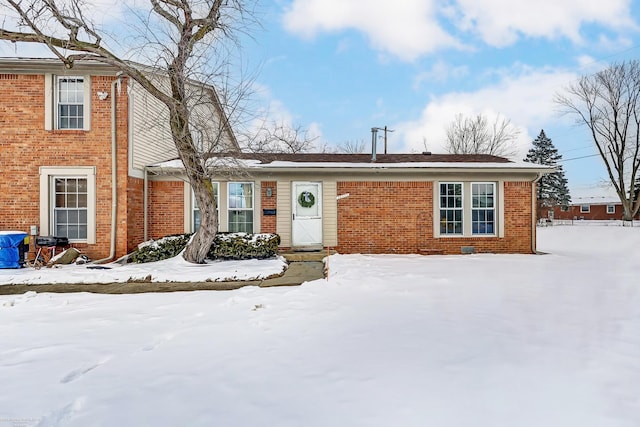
(12, 249)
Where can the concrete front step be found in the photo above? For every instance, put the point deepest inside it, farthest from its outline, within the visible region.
(303, 256)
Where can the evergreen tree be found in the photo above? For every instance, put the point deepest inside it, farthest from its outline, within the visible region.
(553, 188)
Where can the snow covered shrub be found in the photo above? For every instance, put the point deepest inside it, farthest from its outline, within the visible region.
(225, 246)
(244, 246)
(157, 250)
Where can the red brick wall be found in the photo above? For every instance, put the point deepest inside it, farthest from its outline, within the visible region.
(25, 146)
(268, 222)
(166, 208)
(397, 217)
(135, 213)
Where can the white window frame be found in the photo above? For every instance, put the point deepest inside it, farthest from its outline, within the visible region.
(51, 102)
(454, 209)
(194, 206)
(47, 203)
(583, 210)
(492, 209)
(251, 209)
(467, 212)
(611, 209)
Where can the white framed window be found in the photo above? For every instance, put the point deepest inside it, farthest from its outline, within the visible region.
(240, 206)
(611, 209)
(196, 209)
(483, 208)
(68, 203)
(468, 209)
(585, 208)
(451, 208)
(69, 210)
(67, 102)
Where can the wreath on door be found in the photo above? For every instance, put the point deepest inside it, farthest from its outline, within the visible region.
(306, 199)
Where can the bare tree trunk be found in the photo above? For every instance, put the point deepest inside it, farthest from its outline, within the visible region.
(201, 241)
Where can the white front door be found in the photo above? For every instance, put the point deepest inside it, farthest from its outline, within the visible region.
(306, 229)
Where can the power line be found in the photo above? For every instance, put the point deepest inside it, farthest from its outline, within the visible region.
(578, 158)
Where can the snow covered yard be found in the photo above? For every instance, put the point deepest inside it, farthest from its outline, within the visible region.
(480, 340)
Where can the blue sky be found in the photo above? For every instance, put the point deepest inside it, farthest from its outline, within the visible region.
(340, 67)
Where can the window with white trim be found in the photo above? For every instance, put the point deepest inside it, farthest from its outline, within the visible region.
(69, 102)
(611, 209)
(196, 209)
(451, 208)
(585, 208)
(69, 215)
(483, 208)
(240, 207)
(68, 202)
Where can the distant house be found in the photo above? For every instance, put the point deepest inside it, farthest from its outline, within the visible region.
(589, 208)
(64, 133)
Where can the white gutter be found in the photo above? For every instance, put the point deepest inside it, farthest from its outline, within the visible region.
(534, 211)
(114, 175)
(145, 211)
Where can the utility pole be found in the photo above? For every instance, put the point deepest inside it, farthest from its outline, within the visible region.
(385, 137)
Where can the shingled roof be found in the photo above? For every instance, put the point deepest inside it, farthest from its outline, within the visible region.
(266, 158)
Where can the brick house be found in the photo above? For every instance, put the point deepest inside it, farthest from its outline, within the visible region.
(589, 208)
(399, 203)
(65, 134)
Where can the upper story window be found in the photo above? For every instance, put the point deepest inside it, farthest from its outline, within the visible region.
(70, 103)
(67, 102)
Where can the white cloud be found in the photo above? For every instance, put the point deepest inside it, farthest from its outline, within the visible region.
(525, 98)
(406, 28)
(440, 72)
(502, 22)
(409, 29)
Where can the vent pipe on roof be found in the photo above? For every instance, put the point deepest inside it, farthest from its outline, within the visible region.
(374, 143)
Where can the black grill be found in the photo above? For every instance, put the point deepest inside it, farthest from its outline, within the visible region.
(48, 241)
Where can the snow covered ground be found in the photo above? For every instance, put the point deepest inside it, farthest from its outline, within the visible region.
(172, 270)
(455, 341)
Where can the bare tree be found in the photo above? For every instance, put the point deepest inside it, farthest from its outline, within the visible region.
(608, 103)
(353, 147)
(281, 138)
(177, 36)
(474, 135)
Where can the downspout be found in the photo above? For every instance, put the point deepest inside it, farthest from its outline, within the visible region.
(534, 212)
(114, 174)
(145, 212)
